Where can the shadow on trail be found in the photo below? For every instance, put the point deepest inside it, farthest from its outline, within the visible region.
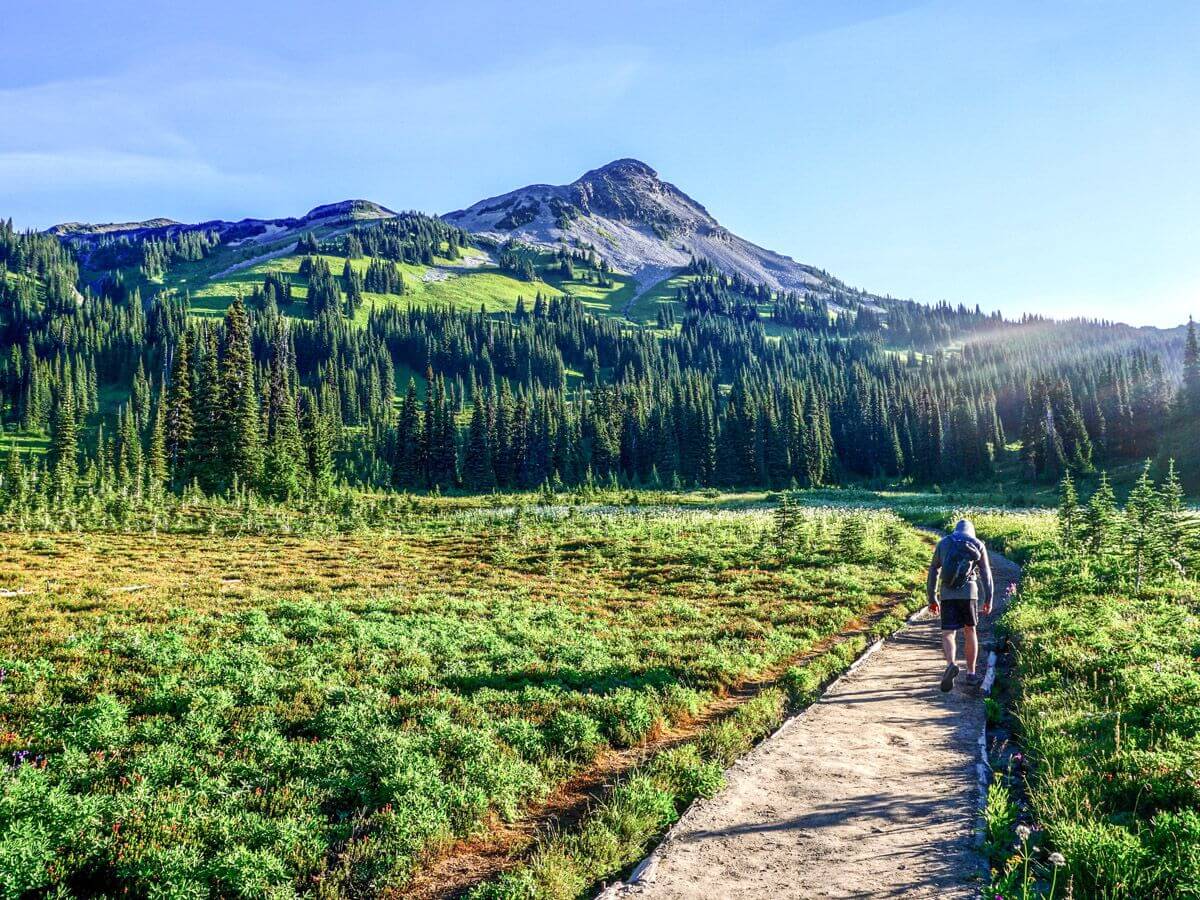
(860, 819)
(887, 812)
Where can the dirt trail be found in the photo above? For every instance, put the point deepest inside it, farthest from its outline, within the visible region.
(872, 792)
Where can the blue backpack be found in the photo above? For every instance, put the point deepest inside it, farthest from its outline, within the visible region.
(962, 560)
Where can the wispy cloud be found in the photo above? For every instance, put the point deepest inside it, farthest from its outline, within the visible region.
(284, 134)
(24, 171)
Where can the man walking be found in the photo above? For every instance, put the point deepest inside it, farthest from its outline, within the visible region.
(961, 575)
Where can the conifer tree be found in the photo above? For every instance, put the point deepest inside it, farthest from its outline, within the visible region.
(787, 519)
(64, 448)
(479, 473)
(180, 419)
(283, 456)
(130, 453)
(140, 396)
(157, 466)
(240, 414)
(407, 471)
(1179, 528)
(852, 537)
(1068, 514)
(1099, 519)
(207, 450)
(1191, 373)
(12, 489)
(1142, 524)
(318, 441)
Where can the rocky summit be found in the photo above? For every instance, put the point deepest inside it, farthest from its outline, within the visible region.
(641, 224)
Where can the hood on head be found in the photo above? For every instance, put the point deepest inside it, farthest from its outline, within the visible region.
(964, 526)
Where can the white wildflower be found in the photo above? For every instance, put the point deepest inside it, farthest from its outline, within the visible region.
(1057, 859)
(1023, 832)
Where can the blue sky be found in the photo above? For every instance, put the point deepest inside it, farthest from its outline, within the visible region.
(1025, 156)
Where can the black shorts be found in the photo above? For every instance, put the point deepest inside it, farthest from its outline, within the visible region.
(958, 613)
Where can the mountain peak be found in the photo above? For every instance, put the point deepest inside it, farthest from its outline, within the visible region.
(621, 168)
(637, 222)
(350, 209)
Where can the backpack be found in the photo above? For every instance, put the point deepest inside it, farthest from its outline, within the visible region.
(962, 559)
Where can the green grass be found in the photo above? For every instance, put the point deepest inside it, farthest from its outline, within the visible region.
(466, 287)
(487, 625)
(609, 301)
(488, 288)
(1107, 693)
(254, 715)
(568, 863)
(25, 441)
(18, 277)
(616, 833)
(645, 308)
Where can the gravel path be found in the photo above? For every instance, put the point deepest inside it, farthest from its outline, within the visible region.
(872, 792)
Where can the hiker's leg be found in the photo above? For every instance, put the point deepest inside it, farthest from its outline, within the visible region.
(948, 645)
(970, 647)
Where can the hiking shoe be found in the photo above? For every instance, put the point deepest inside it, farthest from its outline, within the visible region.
(948, 678)
(972, 683)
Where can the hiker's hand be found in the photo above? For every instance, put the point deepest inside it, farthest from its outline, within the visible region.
(933, 608)
(987, 608)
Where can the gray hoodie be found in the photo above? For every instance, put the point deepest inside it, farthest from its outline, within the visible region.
(978, 586)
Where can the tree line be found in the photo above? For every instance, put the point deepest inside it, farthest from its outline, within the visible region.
(139, 399)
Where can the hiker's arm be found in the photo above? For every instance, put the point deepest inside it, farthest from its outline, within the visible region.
(985, 575)
(931, 578)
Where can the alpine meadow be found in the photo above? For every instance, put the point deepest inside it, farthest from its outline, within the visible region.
(569, 544)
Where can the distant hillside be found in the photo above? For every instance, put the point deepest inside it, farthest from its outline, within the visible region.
(346, 212)
(644, 229)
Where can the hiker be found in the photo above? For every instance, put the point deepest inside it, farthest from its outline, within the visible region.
(961, 561)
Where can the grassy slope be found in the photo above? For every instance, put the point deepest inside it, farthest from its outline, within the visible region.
(469, 287)
(645, 308)
(465, 288)
(448, 282)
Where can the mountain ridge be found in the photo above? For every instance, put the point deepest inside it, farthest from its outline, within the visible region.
(324, 214)
(639, 223)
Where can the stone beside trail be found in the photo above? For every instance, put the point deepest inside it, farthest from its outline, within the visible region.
(871, 792)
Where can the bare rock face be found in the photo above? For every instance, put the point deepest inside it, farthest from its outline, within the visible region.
(639, 223)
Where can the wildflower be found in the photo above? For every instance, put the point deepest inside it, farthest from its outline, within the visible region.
(1057, 859)
(1023, 832)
